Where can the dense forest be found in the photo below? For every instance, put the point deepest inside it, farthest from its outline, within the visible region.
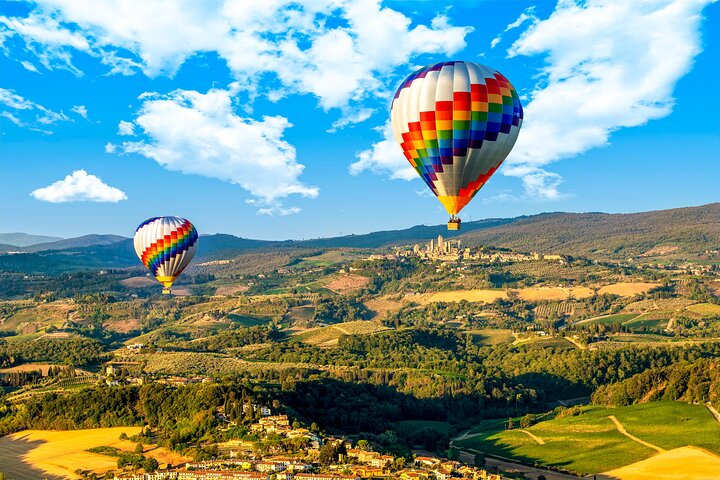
(77, 351)
(694, 382)
(411, 360)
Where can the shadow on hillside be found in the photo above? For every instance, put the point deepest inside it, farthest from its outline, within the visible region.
(551, 387)
(12, 459)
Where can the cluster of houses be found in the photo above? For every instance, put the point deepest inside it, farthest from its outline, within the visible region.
(372, 465)
(280, 424)
(356, 464)
(365, 465)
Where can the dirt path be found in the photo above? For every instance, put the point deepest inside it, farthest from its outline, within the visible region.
(576, 343)
(537, 439)
(671, 325)
(714, 412)
(622, 430)
(464, 436)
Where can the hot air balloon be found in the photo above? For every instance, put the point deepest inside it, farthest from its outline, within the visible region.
(165, 246)
(456, 122)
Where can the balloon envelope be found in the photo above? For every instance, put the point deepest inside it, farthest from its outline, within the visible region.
(456, 122)
(165, 246)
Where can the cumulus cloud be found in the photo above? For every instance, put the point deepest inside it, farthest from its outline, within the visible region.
(340, 61)
(79, 186)
(384, 158)
(610, 64)
(126, 128)
(200, 133)
(26, 113)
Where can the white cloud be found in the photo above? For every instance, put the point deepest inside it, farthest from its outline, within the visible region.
(12, 118)
(196, 133)
(29, 66)
(110, 148)
(276, 210)
(527, 15)
(126, 128)
(79, 187)
(501, 197)
(610, 64)
(46, 38)
(384, 158)
(349, 118)
(341, 51)
(12, 100)
(80, 110)
(26, 113)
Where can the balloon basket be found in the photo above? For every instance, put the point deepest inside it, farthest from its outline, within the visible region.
(453, 225)
(166, 291)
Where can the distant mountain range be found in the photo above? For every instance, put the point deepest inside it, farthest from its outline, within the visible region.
(689, 230)
(24, 239)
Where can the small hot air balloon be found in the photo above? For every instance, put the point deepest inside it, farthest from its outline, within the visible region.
(456, 122)
(165, 246)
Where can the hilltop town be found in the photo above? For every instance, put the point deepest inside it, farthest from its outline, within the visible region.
(451, 250)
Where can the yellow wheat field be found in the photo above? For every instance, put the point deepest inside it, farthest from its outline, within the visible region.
(32, 454)
(554, 293)
(532, 294)
(685, 463)
(487, 296)
(627, 289)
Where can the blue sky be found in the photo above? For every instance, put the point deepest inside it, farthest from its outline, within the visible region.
(269, 120)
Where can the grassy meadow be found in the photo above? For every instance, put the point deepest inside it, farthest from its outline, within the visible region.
(590, 443)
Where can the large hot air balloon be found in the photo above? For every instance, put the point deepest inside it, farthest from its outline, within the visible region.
(165, 246)
(456, 122)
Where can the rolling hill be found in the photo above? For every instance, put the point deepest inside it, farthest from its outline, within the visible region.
(681, 231)
(601, 235)
(24, 239)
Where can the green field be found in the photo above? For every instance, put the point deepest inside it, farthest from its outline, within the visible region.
(248, 320)
(302, 314)
(649, 323)
(492, 336)
(705, 309)
(590, 443)
(639, 338)
(328, 336)
(609, 319)
(545, 342)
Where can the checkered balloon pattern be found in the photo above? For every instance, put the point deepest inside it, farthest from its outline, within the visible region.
(166, 245)
(456, 123)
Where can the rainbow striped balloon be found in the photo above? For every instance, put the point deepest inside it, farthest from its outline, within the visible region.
(456, 122)
(165, 246)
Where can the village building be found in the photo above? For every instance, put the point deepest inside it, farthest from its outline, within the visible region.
(427, 461)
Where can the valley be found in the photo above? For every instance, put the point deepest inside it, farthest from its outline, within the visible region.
(458, 350)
